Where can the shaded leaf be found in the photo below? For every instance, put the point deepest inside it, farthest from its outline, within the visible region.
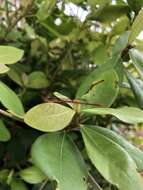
(111, 160)
(99, 87)
(125, 114)
(60, 160)
(49, 117)
(4, 132)
(37, 80)
(10, 100)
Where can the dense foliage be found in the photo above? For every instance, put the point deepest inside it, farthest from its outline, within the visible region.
(71, 82)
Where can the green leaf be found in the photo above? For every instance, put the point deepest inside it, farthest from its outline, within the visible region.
(32, 175)
(3, 69)
(4, 132)
(18, 185)
(111, 160)
(135, 5)
(60, 160)
(10, 100)
(37, 80)
(3, 175)
(99, 87)
(10, 55)
(137, 88)
(125, 114)
(137, 58)
(137, 27)
(135, 153)
(111, 12)
(49, 117)
(120, 44)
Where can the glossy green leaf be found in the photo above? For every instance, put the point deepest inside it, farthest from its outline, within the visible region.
(10, 55)
(125, 114)
(137, 58)
(37, 80)
(100, 87)
(60, 160)
(111, 12)
(4, 132)
(10, 100)
(137, 88)
(32, 175)
(135, 153)
(137, 27)
(111, 160)
(49, 117)
(121, 25)
(3, 69)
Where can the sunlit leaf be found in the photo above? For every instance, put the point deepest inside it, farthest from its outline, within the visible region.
(49, 117)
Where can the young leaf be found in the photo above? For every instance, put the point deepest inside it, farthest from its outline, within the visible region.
(111, 160)
(137, 88)
(10, 100)
(99, 87)
(32, 175)
(3, 69)
(135, 153)
(49, 117)
(4, 132)
(137, 27)
(125, 114)
(137, 58)
(58, 157)
(10, 55)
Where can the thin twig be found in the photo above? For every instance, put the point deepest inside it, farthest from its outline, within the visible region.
(44, 184)
(95, 183)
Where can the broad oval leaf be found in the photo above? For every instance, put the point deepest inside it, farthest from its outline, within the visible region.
(49, 117)
(126, 114)
(60, 160)
(32, 175)
(137, 26)
(4, 132)
(10, 100)
(10, 55)
(111, 160)
(100, 86)
(135, 153)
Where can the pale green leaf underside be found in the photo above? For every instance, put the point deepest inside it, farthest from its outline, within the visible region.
(111, 160)
(10, 55)
(60, 160)
(49, 117)
(126, 114)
